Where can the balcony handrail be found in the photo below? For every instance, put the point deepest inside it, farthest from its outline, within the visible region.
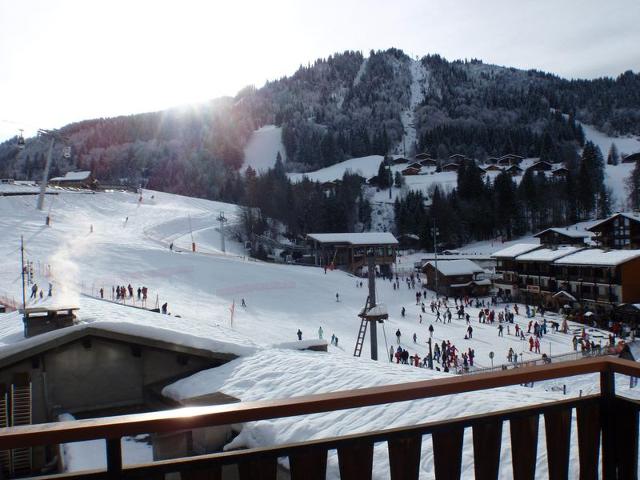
(197, 417)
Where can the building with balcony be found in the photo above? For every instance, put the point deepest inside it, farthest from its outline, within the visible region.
(595, 279)
(457, 278)
(621, 230)
(536, 274)
(506, 271)
(349, 250)
(564, 236)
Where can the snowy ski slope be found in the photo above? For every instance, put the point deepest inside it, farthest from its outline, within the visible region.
(129, 244)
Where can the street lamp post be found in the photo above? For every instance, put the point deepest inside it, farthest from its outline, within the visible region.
(435, 233)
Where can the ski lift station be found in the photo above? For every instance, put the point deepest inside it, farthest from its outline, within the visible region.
(348, 251)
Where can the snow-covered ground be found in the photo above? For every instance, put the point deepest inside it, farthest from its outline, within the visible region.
(263, 147)
(129, 244)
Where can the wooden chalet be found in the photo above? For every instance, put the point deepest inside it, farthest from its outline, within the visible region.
(621, 230)
(410, 171)
(399, 161)
(492, 168)
(458, 158)
(541, 166)
(457, 277)
(415, 165)
(509, 159)
(492, 160)
(422, 156)
(631, 158)
(80, 179)
(560, 172)
(514, 170)
(563, 236)
(348, 251)
(429, 162)
(450, 167)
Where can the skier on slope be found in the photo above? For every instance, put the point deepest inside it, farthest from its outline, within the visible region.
(299, 333)
(320, 331)
(398, 335)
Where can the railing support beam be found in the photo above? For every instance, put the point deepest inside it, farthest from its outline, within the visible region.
(607, 397)
(114, 458)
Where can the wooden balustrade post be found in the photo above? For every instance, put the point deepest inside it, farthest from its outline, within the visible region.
(607, 397)
(114, 458)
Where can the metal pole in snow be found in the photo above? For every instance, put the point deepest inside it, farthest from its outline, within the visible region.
(24, 300)
(371, 266)
(45, 175)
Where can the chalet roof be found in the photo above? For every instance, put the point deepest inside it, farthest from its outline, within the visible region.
(422, 155)
(456, 267)
(484, 281)
(451, 165)
(541, 163)
(137, 334)
(546, 254)
(515, 250)
(457, 155)
(415, 165)
(633, 157)
(560, 169)
(630, 215)
(73, 176)
(596, 256)
(365, 238)
(577, 234)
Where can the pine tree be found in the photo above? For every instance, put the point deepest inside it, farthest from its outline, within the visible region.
(633, 187)
(384, 179)
(613, 158)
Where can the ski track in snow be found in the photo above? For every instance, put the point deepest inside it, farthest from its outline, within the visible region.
(361, 70)
(418, 87)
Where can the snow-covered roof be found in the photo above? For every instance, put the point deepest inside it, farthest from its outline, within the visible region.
(566, 232)
(462, 266)
(546, 254)
(515, 250)
(365, 238)
(276, 374)
(73, 176)
(630, 215)
(596, 256)
(111, 317)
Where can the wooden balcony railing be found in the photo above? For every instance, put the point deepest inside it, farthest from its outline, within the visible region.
(604, 416)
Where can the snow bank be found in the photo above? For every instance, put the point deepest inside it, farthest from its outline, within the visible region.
(273, 374)
(92, 454)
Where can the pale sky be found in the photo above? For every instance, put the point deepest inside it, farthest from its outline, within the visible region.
(64, 61)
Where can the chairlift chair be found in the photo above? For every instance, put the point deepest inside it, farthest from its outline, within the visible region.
(66, 152)
(21, 140)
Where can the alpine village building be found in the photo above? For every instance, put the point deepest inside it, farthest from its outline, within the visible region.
(563, 271)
